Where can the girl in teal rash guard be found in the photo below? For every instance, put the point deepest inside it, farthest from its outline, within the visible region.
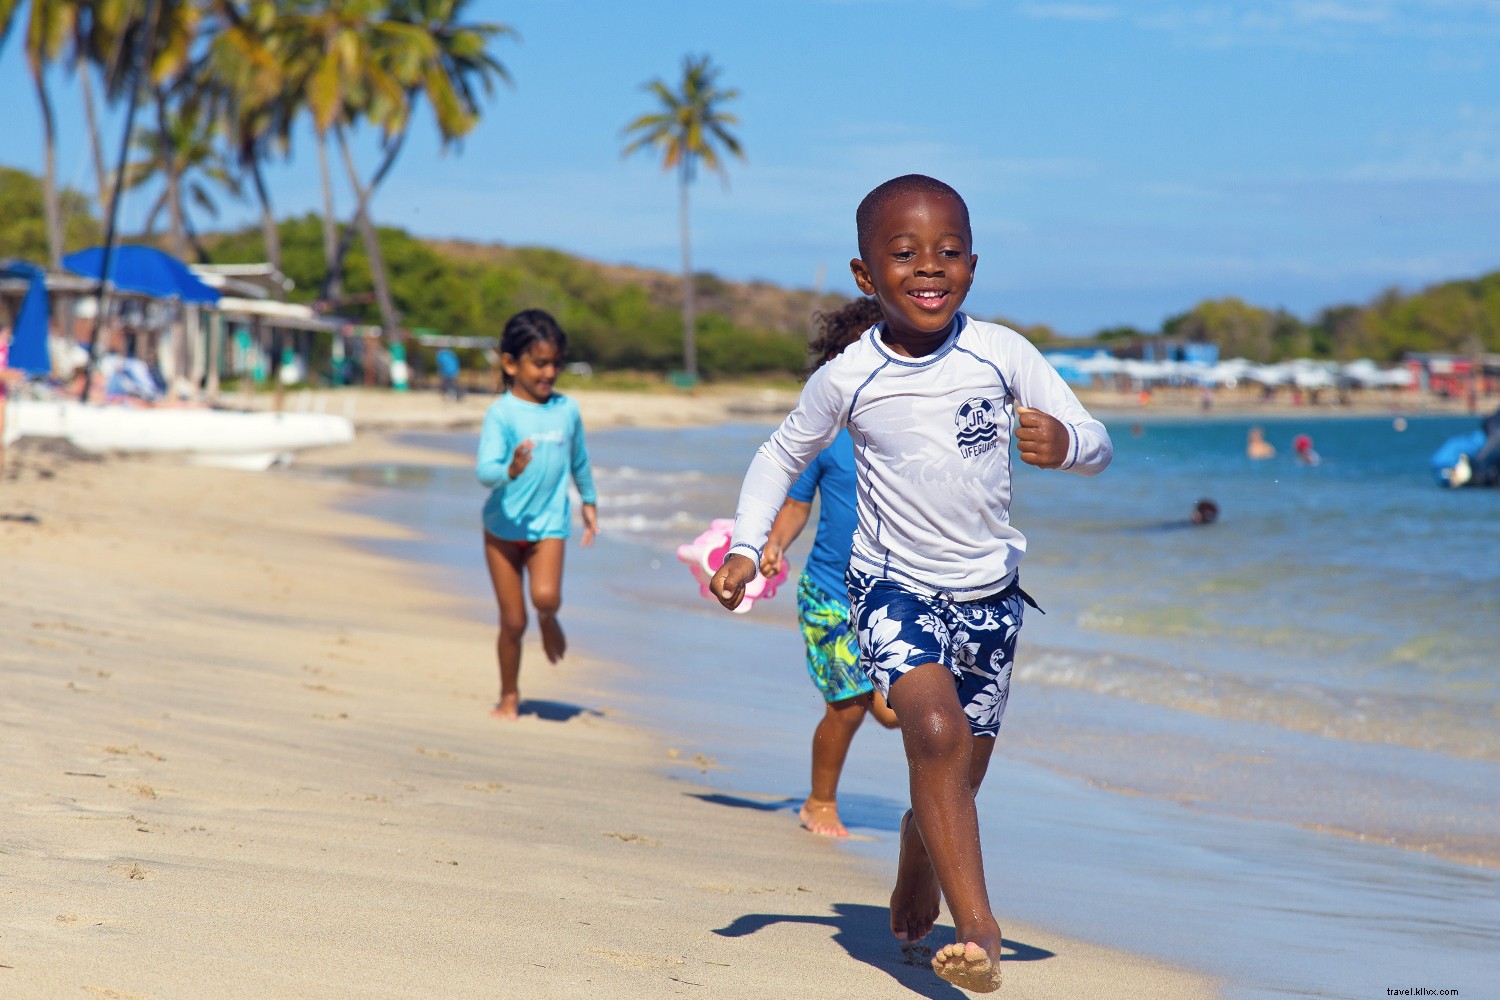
(530, 447)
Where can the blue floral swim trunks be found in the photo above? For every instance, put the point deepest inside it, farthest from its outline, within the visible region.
(832, 650)
(976, 640)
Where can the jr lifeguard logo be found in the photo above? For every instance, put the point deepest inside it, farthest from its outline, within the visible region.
(977, 432)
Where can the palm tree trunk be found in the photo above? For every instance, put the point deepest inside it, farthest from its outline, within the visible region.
(176, 229)
(689, 329)
(199, 250)
(333, 283)
(49, 178)
(388, 317)
(363, 195)
(96, 142)
(269, 230)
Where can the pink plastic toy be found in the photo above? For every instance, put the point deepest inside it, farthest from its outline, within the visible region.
(705, 554)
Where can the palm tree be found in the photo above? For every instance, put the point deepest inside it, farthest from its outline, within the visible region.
(433, 53)
(48, 28)
(690, 127)
(248, 86)
(183, 152)
(337, 53)
(99, 34)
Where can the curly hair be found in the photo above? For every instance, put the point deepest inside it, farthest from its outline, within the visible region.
(838, 329)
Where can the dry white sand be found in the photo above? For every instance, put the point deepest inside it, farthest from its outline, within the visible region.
(244, 758)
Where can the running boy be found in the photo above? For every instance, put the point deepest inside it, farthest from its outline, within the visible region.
(933, 401)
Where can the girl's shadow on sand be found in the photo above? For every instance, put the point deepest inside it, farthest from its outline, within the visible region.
(864, 932)
(555, 711)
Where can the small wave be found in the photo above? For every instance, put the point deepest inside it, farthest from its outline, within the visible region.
(1443, 725)
(629, 473)
(646, 524)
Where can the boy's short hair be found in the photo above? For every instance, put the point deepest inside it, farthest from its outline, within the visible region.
(866, 217)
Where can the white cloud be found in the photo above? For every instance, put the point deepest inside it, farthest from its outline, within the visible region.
(1068, 11)
(1317, 24)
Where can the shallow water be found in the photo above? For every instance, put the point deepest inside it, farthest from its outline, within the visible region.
(1266, 748)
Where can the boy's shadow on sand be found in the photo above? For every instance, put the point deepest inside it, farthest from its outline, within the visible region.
(555, 711)
(864, 932)
(739, 802)
(871, 812)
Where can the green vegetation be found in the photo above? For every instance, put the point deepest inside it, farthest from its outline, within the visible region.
(625, 320)
(616, 318)
(230, 79)
(1456, 317)
(23, 233)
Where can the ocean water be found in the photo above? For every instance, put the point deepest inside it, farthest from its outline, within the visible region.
(1267, 748)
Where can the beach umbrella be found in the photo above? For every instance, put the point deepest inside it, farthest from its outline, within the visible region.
(145, 271)
(28, 345)
(1269, 374)
(1099, 363)
(1308, 375)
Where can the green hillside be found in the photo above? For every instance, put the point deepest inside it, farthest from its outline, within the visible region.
(627, 318)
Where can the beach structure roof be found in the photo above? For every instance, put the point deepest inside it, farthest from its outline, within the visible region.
(144, 271)
(287, 315)
(250, 281)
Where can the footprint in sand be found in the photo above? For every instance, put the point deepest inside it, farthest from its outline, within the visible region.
(133, 750)
(132, 871)
(633, 838)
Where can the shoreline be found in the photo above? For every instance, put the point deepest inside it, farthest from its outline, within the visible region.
(389, 410)
(216, 694)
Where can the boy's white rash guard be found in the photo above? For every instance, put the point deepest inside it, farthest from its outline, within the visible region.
(932, 445)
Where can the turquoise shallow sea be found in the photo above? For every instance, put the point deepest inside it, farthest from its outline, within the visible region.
(1267, 749)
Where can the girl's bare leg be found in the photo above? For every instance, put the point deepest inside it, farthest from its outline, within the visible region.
(544, 565)
(841, 720)
(940, 847)
(505, 561)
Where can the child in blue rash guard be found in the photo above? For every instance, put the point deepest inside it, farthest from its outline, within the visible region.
(933, 401)
(530, 445)
(822, 595)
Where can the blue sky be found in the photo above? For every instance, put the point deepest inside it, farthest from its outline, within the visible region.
(1122, 162)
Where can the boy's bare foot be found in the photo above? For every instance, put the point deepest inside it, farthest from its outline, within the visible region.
(969, 966)
(915, 900)
(822, 818)
(507, 708)
(554, 643)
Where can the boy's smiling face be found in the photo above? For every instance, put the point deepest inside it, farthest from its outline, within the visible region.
(920, 268)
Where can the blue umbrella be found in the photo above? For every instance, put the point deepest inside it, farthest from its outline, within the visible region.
(143, 270)
(28, 345)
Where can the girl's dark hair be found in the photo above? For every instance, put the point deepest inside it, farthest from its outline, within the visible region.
(531, 326)
(838, 329)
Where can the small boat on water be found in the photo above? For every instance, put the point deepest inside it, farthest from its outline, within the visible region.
(1471, 458)
(232, 438)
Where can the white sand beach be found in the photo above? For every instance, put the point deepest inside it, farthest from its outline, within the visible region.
(246, 758)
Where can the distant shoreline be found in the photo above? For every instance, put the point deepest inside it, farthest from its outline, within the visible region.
(374, 409)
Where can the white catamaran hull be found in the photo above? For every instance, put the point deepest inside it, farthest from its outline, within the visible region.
(215, 437)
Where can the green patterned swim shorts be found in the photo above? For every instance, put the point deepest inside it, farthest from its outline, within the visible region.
(832, 645)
